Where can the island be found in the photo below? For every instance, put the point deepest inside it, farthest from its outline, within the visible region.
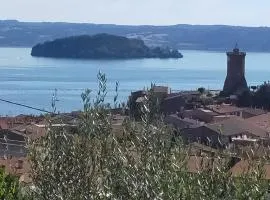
(101, 46)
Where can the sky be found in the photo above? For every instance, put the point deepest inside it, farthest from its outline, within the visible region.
(140, 12)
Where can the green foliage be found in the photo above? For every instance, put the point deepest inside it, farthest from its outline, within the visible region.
(260, 97)
(205, 100)
(145, 162)
(245, 99)
(201, 90)
(9, 186)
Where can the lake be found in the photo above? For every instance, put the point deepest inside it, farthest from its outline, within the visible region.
(32, 81)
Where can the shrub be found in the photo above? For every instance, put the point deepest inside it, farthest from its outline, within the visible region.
(9, 186)
(201, 90)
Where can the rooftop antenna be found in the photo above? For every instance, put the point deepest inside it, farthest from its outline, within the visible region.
(236, 45)
(236, 49)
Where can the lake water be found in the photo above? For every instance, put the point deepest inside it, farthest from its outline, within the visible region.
(32, 81)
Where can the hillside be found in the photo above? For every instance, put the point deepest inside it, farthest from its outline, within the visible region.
(100, 46)
(195, 37)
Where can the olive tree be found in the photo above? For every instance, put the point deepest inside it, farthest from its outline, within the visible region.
(145, 161)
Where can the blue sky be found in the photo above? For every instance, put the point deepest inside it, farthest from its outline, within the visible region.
(156, 12)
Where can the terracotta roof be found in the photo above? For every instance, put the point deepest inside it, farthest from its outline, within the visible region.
(18, 166)
(262, 121)
(12, 135)
(254, 111)
(235, 126)
(174, 97)
(32, 131)
(21, 128)
(4, 124)
(164, 89)
(184, 94)
(224, 108)
(257, 151)
(207, 112)
(244, 167)
(182, 123)
(12, 165)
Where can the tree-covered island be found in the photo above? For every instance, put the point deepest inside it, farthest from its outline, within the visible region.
(101, 46)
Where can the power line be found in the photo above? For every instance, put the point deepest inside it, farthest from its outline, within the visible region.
(34, 108)
(26, 106)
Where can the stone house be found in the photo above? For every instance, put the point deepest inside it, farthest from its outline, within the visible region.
(181, 123)
(224, 133)
(177, 102)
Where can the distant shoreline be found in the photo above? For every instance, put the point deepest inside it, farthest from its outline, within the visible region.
(202, 50)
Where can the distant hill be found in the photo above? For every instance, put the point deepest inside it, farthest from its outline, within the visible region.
(101, 46)
(195, 37)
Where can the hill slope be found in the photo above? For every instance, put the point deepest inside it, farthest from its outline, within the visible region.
(196, 37)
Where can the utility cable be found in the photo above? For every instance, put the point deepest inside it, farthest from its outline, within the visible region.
(26, 106)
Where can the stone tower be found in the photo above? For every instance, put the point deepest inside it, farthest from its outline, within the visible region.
(235, 83)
